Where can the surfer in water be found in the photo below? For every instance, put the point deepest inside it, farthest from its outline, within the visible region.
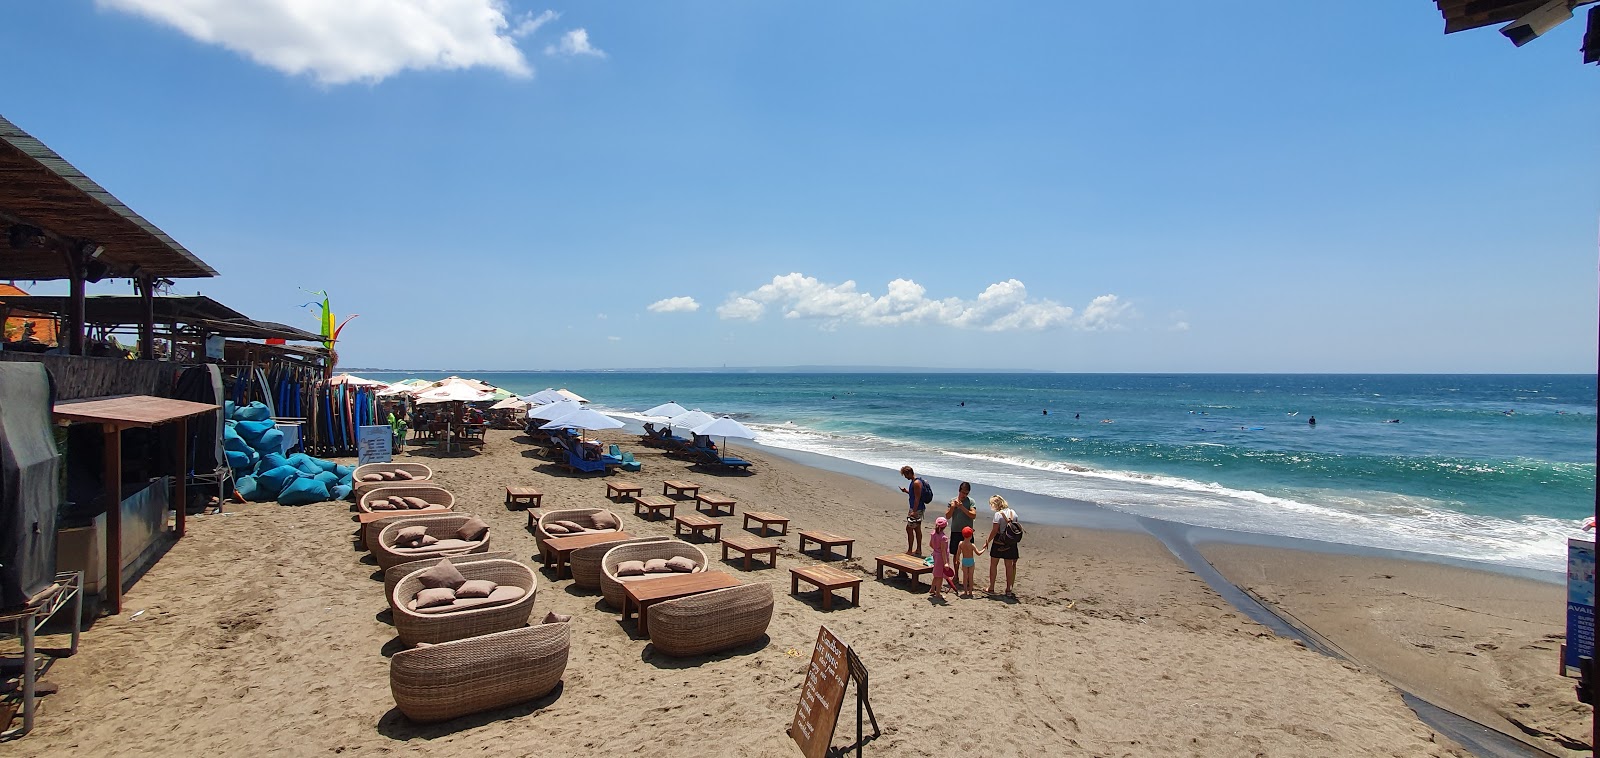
(1313, 421)
(1392, 421)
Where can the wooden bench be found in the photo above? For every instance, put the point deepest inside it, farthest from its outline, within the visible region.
(557, 551)
(907, 565)
(713, 504)
(524, 495)
(766, 519)
(679, 488)
(750, 545)
(642, 595)
(827, 541)
(697, 524)
(827, 579)
(655, 504)
(615, 490)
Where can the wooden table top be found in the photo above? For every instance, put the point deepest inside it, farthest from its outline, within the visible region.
(668, 587)
(714, 499)
(826, 537)
(697, 519)
(563, 544)
(765, 516)
(905, 561)
(826, 575)
(679, 484)
(623, 486)
(749, 542)
(524, 490)
(655, 501)
(432, 510)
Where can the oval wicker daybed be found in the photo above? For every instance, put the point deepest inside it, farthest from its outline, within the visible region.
(583, 517)
(611, 586)
(431, 626)
(585, 561)
(418, 473)
(393, 574)
(442, 527)
(481, 673)
(433, 493)
(711, 621)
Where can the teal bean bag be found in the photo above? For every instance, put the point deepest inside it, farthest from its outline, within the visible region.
(246, 487)
(271, 441)
(340, 491)
(273, 460)
(240, 461)
(256, 411)
(273, 481)
(303, 491)
(327, 478)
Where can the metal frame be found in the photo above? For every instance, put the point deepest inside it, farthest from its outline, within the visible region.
(69, 589)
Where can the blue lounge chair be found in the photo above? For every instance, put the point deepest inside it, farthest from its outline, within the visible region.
(709, 457)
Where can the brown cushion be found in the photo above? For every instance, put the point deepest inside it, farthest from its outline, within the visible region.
(680, 564)
(630, 568)
(656, 566)
(605, 520)
(505, 593)
(397, 501)
(408, 536)
(572, 527)
(473, 530)
(434, 596)
(381, 505)
(556, 618)
(414, 502)
(554, 528)
(443, 575)
(476, 588)
(372, 477)
(427, 540)
(403, 476)
(387, 476)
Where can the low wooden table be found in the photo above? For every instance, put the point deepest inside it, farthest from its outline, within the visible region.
(697, 524)
(372, 523)
(642, 595)
(750, 545)
(827, 579)
(525, 495)
(615, 490)
(907, 565)
(766, 519)
(655, 503)
(679, 487)
(557, 551)
(713, 504)
(827, 541)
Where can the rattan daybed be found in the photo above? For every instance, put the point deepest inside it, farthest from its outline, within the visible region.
(611, 586)
(711, 621)
(481, 673)
(416, 626)
(441, 527)
(585, 561)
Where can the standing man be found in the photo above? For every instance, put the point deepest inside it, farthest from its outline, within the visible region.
(918, 494)
(961, 513)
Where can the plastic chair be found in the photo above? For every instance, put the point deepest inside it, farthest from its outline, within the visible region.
(629, 464)
(615, 452)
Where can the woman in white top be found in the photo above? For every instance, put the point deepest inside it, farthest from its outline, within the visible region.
(1003, 550)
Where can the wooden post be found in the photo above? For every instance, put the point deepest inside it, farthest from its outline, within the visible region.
(113, 490)
(183, 472)
(147, 317)
(75, 308)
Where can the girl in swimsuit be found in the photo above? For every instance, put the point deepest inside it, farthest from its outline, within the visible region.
(942, 572)
(968, 553)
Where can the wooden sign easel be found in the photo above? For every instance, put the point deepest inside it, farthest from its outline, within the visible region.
(822, 695)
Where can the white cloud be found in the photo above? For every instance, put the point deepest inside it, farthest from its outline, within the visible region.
(674, 305)
(601, 316)
(741, 308)
(614, 339)
(343, 41)
(1181, 326)
(574, 43)
(1003, 306)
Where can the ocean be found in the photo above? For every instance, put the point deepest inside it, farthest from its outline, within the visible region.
(1498, 469)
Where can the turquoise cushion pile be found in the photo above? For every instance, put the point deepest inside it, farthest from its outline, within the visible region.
(254, 443)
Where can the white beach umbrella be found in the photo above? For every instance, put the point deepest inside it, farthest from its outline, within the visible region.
(454, 393)
(553, 411)
(666, 410)
(544, 397)
(513, 403)
(725, 427)
(398, 388)
(584, 419)
(570, 395)
(691, 419)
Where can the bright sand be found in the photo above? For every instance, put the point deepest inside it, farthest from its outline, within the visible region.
(261, 632)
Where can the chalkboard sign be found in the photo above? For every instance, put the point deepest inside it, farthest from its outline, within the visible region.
(821, 696)
(373, 444)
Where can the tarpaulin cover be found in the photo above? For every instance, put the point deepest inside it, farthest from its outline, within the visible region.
(29, 482)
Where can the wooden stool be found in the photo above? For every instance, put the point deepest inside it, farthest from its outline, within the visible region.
(524, 495)
(749, 545)
(827, 579)
(907, 565)
(697, 524)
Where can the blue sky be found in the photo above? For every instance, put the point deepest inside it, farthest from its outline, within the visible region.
(1244, 186)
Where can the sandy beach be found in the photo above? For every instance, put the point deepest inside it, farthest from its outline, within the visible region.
(263, 632)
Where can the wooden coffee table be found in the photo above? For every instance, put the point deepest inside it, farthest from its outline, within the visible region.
(907, 565)
(642, 595)
(615, 490)
(655, 503)
(697, 524)
(750, 545)
(827, 541)
(766, 519)
(827, 579)
(713, 504)
(679, 487)
(524, 495)
(557, 551)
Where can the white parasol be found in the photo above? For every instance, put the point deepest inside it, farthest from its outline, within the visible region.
(666, 410)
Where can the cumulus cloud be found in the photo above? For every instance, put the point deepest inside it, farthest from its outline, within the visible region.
(575, 43)
(343, 41)
(1181, 326)
(1002, 306)
(674, 305)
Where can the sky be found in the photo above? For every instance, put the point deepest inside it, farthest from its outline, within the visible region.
(1161, 187)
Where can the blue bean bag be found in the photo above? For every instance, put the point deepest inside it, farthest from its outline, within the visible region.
(303, 491)
(256, 411)
(227, 410)
(340, 491)
(326, 477)
(271, 482)
(251, 431)
(246, 487)
(271, 441)
(273, 460)
(240, 461)
(344, 472)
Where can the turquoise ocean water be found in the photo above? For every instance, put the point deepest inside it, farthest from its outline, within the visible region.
(1491, 468)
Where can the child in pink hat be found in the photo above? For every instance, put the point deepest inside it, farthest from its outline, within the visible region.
(939, 543)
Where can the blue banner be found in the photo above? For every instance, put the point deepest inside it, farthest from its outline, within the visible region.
(1580, 604)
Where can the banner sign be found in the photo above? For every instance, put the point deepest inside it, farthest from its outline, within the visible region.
(1580, 604)
(373, 444)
